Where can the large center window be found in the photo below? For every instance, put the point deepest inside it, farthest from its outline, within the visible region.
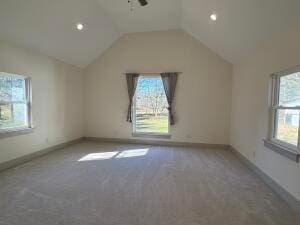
(150, 112)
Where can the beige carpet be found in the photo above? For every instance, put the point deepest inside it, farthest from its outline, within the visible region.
(118, 184)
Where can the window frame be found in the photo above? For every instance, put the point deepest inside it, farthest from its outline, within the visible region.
(290, 150)
(13, 131)
(135, 133)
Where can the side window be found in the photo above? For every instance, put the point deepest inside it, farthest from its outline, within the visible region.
(15, 102)
(286, 108)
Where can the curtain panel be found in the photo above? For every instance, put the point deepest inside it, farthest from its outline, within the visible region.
(132, 80)
(169, 82)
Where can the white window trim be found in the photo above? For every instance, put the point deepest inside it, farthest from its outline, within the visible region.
(284, 148)
(135, 133)
(14, 131)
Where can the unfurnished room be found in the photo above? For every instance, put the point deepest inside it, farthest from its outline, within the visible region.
(149, 112)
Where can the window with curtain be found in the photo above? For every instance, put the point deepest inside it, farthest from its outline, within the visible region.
(150, 106)
(15, 102)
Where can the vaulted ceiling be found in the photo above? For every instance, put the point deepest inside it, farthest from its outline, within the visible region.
(48, 26)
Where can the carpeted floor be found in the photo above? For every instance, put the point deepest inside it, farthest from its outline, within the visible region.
(121, 184)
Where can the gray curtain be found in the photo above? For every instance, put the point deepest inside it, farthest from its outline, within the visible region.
(170, 81)
(132, 79)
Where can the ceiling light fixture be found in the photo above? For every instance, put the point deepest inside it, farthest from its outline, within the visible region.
(214, 17)
(79, 26)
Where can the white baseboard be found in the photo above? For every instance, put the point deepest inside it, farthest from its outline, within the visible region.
(158, 142)
(285, 195)
(26, 158)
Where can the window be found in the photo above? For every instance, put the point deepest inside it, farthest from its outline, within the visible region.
(150, 113)
(15, 103)
(286, 109)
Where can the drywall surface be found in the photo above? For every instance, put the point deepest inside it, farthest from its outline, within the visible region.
(250, 108)
(203, 95)
(57, 101)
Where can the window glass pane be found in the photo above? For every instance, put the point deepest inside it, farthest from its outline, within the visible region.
(287, 126)
(12, 116)
(289, 94)
(18, 89)
(12, 88)
(151, 105)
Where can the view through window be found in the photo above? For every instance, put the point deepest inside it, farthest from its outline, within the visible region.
(13, 102)
(287, 108)
(150, 109)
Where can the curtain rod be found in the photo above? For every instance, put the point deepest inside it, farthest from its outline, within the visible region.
(154, 73)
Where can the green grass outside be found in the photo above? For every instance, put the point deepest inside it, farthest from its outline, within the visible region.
(9, 124)
(151, 124)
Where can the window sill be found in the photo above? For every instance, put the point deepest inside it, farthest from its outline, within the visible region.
(152, 135)
(15, 132)
(283, 150)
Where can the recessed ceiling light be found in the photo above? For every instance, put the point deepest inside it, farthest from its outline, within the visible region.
(79, 26)
(213, 17)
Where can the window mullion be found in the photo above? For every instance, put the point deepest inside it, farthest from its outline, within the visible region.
(12, 102)
(134, 113)
(275, 124)
(28, 96)
(298, 144)
(276, 91)
(274, 105)
(287, 107)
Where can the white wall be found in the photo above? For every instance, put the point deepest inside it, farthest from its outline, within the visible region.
(250, 98)
(57, 101)
(202, 104)
(203, 95)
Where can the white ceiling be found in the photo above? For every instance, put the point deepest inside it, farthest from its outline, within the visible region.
(157, 15)
(242, 24)
(48, 26)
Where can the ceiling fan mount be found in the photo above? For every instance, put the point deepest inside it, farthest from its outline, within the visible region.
(143, 2)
